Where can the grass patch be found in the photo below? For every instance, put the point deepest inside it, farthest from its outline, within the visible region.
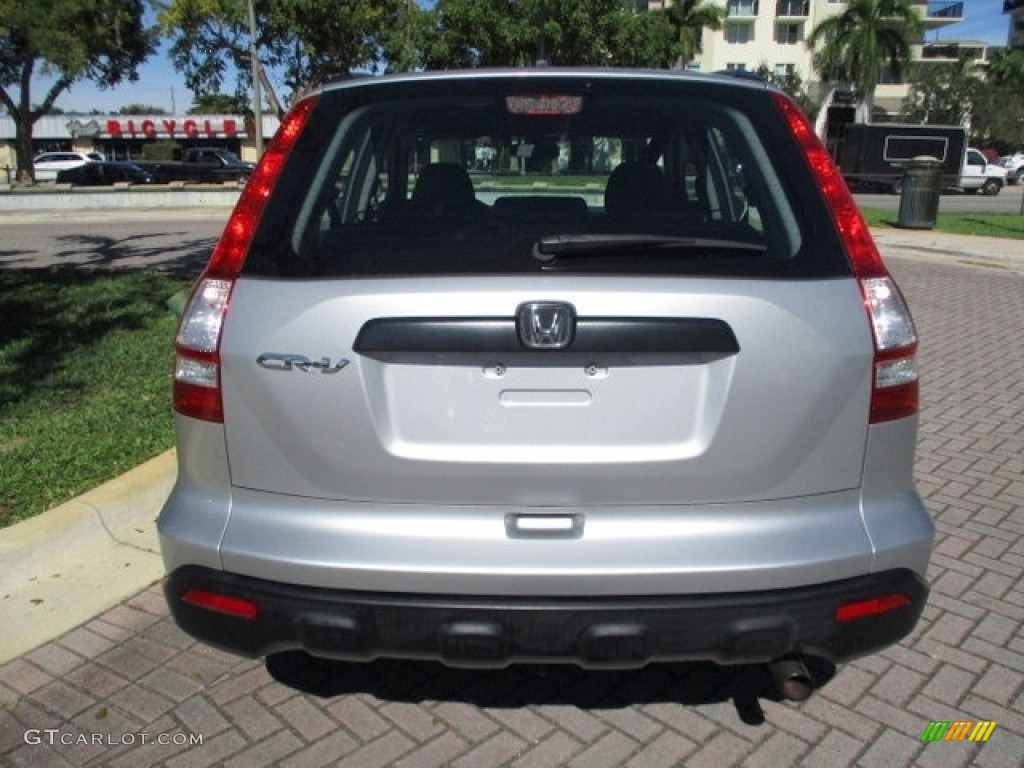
(85, 375)
(988, 224)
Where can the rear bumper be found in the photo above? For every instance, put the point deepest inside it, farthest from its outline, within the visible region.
(494, 631)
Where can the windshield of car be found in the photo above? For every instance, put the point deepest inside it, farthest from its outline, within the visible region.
(475, 176)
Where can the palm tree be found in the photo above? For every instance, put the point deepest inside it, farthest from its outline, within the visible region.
(690, 17)
(1006, 67)
(857, 44)
(944, 93)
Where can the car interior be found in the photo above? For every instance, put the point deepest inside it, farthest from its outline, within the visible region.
(466, 187)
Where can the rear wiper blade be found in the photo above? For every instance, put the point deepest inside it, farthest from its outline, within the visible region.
(549, 249)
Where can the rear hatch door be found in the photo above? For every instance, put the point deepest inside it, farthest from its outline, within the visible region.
(669, 391)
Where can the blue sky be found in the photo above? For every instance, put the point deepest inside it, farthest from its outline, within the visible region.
(983, 20)
(159, 84)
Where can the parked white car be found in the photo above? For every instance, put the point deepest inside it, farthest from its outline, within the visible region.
(49, 164)
(979, 174)
(1014, 165)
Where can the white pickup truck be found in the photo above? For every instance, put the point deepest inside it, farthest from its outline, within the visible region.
(980, 175)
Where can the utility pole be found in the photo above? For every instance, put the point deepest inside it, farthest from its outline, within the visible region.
(257, 97)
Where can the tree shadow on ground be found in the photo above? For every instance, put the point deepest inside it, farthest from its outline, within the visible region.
(49, 317)
(176, 253)
(689, 684)
(986, 226)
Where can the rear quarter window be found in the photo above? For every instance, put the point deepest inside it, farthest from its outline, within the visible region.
(512, 175)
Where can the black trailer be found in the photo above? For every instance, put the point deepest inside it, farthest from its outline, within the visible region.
(875, 155)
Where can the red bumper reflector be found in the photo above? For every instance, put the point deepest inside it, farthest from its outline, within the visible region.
(876, 605)
(232, 606)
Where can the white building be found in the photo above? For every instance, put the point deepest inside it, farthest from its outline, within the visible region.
(125, 137)
(772, 33)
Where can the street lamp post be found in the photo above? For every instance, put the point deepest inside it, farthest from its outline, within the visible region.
(254, 63)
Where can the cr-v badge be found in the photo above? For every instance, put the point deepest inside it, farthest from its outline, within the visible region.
(546, 325)
(274, 361)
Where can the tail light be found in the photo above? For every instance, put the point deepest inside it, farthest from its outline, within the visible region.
(875, 606)
(197, 390)
(894, 390)
(213, 601)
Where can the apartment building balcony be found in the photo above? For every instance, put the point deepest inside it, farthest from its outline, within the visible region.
(792, 9)
(951, 51)
(742, 9)
(940, 13)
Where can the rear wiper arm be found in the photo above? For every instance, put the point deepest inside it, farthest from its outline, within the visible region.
(549, 249)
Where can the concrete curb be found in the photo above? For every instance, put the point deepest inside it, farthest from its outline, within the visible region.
(63, 567)
(56, 200)
(942, 248)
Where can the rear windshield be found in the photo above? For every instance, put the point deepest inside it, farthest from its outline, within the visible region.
(522, 175)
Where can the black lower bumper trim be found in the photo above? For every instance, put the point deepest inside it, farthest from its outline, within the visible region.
(593, 632)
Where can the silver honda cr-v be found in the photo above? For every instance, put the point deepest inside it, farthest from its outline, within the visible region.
(547, 365)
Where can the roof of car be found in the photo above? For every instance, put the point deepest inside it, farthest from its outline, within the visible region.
(736, 79)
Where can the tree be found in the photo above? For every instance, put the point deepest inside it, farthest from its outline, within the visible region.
(103, 41)
(307, 39)
(985, 97)
(141, 109)
(997, 119)
(478, 33)
(645, 39)
(1006, 67)
(944, 93)
(857, 44)
(793, 85)
(404, 39)
(690, 17)
(220, 104)
(999, 109)
(504, 33)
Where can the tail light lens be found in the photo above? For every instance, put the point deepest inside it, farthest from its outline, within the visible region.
(875, 606)
(212, 601)
(197, 390)
(894, 390)
(197, 361)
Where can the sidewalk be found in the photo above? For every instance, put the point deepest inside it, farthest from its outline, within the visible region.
(69, 564)
(968, 250)
(72, 562)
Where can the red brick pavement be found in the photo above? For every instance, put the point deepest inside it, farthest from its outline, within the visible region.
(109, 692)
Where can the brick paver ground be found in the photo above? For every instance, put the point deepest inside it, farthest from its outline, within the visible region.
(116, 687)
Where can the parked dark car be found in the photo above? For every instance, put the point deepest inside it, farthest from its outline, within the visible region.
(202, 165)
(104, 174)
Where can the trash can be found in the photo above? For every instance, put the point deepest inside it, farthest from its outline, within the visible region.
(919, 195)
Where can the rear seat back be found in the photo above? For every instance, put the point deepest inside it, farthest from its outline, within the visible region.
(553, 214)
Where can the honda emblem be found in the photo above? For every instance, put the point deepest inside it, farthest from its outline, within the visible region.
(546, 325)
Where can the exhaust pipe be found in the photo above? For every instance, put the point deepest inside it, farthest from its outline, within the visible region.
(792, 680)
